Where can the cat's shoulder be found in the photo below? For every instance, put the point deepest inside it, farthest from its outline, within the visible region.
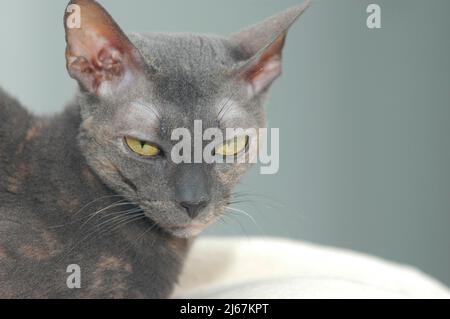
(9, 105)
(13, 116)
(7, 101)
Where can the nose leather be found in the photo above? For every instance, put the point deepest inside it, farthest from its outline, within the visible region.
(193, 209)
(192, 191)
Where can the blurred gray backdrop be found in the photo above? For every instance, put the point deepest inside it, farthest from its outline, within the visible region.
(363, 115)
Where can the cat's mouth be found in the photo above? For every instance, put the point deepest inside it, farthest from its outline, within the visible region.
(177, 224)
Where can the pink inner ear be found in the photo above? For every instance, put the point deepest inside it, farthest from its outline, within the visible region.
(99, 54)
(267, 68)
(96, 66)
(266, 74)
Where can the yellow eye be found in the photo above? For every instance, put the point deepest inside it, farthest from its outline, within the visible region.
(233, 146)
(142, 148)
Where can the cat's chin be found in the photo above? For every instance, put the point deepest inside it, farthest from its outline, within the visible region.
(187, 231)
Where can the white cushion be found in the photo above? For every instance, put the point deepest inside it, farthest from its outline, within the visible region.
(275, 268)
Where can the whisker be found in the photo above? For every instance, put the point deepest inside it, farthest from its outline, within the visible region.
(248, 215)
(226, 105)
(150, 108)
(84, 207)
(138, 238)
(121, 223)
(109, 223)
(244, 231)
(93, 232)
(113, 205)
(95, 200)
(121, 215)
(261, 196)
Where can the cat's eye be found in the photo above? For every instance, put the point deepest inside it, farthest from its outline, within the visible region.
(142, 148)
(233, 146)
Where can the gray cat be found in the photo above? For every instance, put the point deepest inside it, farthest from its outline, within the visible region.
(95, 186)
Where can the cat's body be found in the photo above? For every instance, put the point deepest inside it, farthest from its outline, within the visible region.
(44, 181)
(96, 187)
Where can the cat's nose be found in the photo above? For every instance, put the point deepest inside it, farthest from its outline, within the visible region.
(193, 208)
(192, 191)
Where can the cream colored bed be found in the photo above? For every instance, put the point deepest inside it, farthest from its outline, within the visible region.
(275, 268)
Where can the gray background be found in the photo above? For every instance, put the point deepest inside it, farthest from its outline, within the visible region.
(364, 115)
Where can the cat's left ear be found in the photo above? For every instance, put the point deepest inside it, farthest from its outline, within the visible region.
(98, 54)
(262, 45)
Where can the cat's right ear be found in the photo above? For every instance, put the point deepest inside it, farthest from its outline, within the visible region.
(98, 54)
(262, 45)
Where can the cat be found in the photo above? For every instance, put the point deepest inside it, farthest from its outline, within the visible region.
(95, 187)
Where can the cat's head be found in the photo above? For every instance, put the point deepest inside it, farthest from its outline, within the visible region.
(136, 90)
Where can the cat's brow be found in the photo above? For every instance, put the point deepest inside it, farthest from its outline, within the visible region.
(228, 110)
(139, 116)
(149, 107)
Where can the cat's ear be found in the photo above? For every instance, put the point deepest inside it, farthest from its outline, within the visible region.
(262, 45)
(98, 54)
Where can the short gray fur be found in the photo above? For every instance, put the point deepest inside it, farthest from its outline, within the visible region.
(57, 172)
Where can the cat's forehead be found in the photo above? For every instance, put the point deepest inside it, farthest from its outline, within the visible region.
(189, 67)
(192, 77)
(194, 54)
